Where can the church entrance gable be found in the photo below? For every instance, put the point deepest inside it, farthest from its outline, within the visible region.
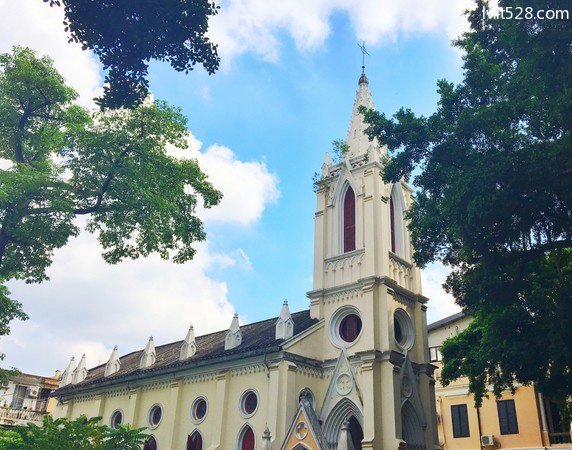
(305, 432)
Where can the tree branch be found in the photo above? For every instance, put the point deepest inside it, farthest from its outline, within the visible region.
(105, 186)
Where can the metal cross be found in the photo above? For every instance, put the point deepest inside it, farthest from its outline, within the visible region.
(363, 53)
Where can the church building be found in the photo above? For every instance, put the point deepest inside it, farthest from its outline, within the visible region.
(351, 372)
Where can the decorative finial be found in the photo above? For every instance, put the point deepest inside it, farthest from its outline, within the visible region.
(363, 53)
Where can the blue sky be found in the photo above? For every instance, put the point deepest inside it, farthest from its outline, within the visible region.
(260, 128)
(288, 113)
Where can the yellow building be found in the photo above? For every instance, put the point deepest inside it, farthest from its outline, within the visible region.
(25, 398)
(351, 372)
(525, 420)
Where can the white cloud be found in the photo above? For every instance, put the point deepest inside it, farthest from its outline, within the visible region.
(89, 306)
(441, 304)
(255, 25)
(36, 25)
(247, 187)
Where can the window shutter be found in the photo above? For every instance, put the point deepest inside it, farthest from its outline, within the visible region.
(507, 417)
(349, 221)
(460, 420)
(392, 223)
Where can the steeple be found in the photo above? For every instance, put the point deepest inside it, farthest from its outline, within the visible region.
(149, 356)
(114, 364)
(189, 345)
(67, 376)
(80, 371)
(357, 140)
(234, 336)
(284, 324)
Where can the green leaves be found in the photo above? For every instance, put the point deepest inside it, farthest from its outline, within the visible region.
(492, 166)
(114, 167)
(127, 35)
(79, 434)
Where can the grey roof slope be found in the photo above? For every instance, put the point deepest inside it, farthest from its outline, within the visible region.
(258, 336)
(446, 321)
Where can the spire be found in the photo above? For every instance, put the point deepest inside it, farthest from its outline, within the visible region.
(114, 364)
(266, 438)
(284, 324)
(149, 355)
(80, 371)
(67, 376)
(234, 336)
(189, 346)
(345, 441)
(357, 140)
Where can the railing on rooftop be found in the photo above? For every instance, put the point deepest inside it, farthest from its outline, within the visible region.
(15, 416)
(560, 438)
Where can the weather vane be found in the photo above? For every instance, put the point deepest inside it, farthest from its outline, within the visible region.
(363, 53)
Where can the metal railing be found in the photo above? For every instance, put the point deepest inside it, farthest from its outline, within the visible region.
(560, 438)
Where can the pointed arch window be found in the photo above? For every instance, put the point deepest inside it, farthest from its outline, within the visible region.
(392, 223)
(247, 440)
(349, 220)
(195, 441)
(151, 444)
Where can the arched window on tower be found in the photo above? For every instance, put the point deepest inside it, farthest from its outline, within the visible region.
(349, 220)
(247, 440)
(392, 223)
(195, 441)
(398, 230)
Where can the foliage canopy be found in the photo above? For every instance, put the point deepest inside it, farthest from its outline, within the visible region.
(494, 199)
(112, 167)
(79, 434)
(126, 35)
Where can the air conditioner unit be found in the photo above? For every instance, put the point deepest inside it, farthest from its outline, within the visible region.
(488, 441)
(33, 391)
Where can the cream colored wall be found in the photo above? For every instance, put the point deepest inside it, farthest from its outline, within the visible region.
(529, 435)
(530, 432)
(436, 337)
(277, 385)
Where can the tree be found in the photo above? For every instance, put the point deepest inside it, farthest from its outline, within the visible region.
(126, 35)
(79, 434)
(494, 202)
(112, 167)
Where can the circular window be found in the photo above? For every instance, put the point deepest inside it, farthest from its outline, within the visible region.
(345, 326)
(116, 418)
(155, 415)
(249, 403)
(403, 329)
(199, 409)
(350, 327)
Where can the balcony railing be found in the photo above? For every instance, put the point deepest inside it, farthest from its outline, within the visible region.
(560, 438)
(14, 416)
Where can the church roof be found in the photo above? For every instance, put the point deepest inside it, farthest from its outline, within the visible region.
(446, 321)
(257, 338)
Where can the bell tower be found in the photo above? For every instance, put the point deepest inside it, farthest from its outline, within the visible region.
(367, 291)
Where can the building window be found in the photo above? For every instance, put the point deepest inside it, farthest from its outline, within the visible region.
(199, 410)
(151, 444)
(460, 420)
(248, 403)
(155, 415)
(350, 327)
(392, 223)
(116, 418)
(345, 326)
(349, 220)
(247, 439)
(435, 354)
(507, 417)
(195, 441)
(403, 329)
